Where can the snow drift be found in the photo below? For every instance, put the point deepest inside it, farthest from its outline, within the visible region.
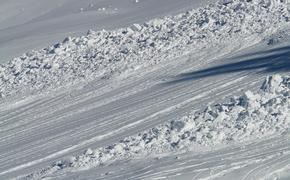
(104, 53)
(248, 117)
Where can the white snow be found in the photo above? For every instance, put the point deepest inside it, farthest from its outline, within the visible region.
(34, 24)
(101, 54)
(175, 97)
(251, 116)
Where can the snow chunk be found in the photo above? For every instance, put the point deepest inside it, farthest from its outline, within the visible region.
(250, 116)
(272, 84)
(105, 53)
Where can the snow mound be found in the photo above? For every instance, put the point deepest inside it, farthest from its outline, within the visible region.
(251, 116)
(279, 37)
(104, 53)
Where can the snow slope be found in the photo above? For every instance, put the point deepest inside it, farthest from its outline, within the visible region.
(245, 118)
(54, 127)
(103, 53)
(34, 24)
(141, 123)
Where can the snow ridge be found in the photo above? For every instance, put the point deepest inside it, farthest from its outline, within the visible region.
(103, 53)
(241, 119)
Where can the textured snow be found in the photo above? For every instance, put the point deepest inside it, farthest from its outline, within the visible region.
(101, 54)
(94, 117)
(248, 117)
(24, 27)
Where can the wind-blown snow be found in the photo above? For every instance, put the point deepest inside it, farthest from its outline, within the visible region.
(243, 118)
(104, 53)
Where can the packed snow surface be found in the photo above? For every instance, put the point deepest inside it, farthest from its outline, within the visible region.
(251, 116)
(130, 103)
(101, 54)
(34, 24)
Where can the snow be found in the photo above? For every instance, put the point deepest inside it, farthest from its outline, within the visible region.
(54, 127)
(251, 116)
(24, 26)
(103, 53)
(175, 97)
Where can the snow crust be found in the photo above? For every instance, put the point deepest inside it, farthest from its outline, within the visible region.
(248, 117)
(104, 53)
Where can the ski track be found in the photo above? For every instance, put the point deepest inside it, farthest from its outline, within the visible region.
(119, 117)
(232, 161)
(39, 130)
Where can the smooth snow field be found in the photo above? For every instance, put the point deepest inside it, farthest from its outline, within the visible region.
(34, 24)
(160, 89)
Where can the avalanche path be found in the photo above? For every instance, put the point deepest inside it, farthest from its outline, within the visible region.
(40, 130)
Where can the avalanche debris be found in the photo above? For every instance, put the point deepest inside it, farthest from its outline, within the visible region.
(104, 53)
(243, 118)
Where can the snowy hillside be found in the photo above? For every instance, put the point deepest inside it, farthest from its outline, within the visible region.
(249, 117)
(102, 53)
(201, 92)
(34, 24)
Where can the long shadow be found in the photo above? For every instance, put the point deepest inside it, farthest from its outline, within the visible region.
(274, 60)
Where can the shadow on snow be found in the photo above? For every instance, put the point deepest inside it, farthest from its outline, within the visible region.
(270, 61)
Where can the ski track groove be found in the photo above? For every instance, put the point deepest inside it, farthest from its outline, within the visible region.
(113, 112)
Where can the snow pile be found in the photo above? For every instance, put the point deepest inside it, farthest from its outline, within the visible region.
(279, 37)
(249, 116)
(243, 118)
(104, 53)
